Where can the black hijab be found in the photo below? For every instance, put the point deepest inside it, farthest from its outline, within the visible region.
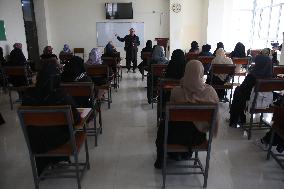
(176, 66)
(148, 45)
(239, 51)
(194, 46)
(17, 57)
(73, 69)
(263, 67)
(48, 79)
(219, 45)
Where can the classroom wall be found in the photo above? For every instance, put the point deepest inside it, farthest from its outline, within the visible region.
(74, 22)
(11, 13)
(189, 24)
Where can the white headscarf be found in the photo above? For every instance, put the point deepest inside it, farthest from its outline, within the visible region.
(194, 90)
(159, 55)
(221, 59)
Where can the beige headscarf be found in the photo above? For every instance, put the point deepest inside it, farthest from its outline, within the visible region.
(194, 90)
(221, 59)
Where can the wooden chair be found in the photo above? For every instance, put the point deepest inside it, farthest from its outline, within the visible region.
(86, 89)
(192, 56)
(205, 60)
(165, 85)
(278, 71)
(262, 85)
(79, 51)
(97, 71)
(113, 64)
(50, 116)
(243, 63)
(146, 56)
(190, 113)
(254, 52)
(157, 71)
(279, 130)
(16, 71)
(227, 69)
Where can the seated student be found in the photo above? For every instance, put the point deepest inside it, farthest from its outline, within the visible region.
(175, 68)
(48, 93)
(262, 69)
(220, 79)
(75, 71)
(194, 47)
(219, 45)
(158, 56)
(110, 50)
(65, 55)
(239, 51)
(95, 57)
(17, 58)
(278, 121)
(47, 53)
(144, 63)
(192, 90)
(206, 52)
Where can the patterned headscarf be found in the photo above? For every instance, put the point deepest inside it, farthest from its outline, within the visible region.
(94, 57)
(66, 49)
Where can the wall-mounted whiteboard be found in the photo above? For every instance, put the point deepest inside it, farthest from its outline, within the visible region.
(107, 30)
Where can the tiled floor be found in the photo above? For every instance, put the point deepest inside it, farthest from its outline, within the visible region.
(126, 152)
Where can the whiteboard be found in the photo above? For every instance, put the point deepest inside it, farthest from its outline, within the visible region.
(107, 30)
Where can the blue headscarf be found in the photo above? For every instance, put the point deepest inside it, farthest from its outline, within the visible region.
(66, 49)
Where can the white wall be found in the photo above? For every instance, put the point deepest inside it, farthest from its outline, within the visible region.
(11, 13)
(74, 22)
(188, 25)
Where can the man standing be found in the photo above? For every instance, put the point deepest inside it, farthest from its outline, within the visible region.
(131, 43)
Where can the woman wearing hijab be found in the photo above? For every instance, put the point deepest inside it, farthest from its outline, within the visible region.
(239, 51)
(110, 50)
(219, 45)
(220, 79)
(175, 68)
(158, 56)
(17, 58)
(75, 71)
(192, 90)
(47, 93)
(194, 47)
(95, 57)
(206, 52)
(65, 55)
(261, 70)
(47, 53)
(144, 62)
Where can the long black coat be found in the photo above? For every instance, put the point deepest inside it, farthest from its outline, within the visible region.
(131, 45)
